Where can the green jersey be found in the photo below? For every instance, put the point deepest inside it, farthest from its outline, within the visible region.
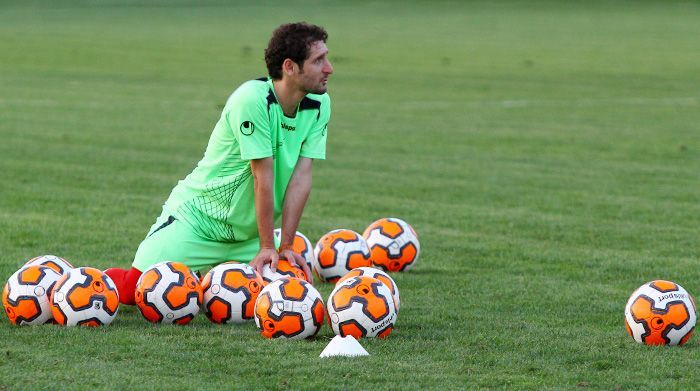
(217, 199)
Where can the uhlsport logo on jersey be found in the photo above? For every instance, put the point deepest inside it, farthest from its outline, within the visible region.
(247, 128)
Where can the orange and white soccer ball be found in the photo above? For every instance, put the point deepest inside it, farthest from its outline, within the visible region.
(284, 269)
(26, 296)
(289, 308)
(379, 275)
(660, 313)
(393, 244)
(301, 245)
(362, 307)
(338, 252)
(168, 292)
(58, 264)
(84, 296)
(230, 291)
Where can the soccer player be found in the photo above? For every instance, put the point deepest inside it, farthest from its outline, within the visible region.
(257, 166)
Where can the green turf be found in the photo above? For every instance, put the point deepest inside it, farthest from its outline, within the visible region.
(548, 154)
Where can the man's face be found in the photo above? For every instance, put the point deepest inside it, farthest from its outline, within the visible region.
(313, 76)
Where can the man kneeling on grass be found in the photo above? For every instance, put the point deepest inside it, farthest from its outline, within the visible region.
(256, 167)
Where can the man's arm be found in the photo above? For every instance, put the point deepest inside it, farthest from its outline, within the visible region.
(295, 197)
(264, 213)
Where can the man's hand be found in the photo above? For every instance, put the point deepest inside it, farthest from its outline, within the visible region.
(265, 255)
(294, 258)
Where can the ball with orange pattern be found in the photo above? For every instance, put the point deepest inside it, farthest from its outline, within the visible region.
(230, 291)
(338, 252)
(300, 245)
(169, 292)
(284, 269)
(379, 275)
(393, 244)
(25, 296)
(361, 307)
(58, 264)
(84, 296)
(660, 312)
(289, 308)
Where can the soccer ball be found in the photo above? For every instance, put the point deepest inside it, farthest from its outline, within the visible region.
(168, 292)
(26, 295)
(284, 269)
(58, 264)
(338, 252)
(84, 296)
(393, 243)
(289, 308)
(301, 245)
(230, 290)
(362, 307)
(660, 313)
(379, 275)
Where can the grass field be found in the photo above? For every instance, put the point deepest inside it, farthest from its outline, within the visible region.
(548, 154)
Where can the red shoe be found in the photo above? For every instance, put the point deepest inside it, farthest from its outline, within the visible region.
(125, 280)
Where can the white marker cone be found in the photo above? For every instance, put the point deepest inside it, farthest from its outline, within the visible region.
(343, 346)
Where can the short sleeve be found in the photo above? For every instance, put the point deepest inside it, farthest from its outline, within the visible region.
(247, 117)
(314, 147)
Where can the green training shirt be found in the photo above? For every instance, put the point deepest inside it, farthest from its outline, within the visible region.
(217, 199)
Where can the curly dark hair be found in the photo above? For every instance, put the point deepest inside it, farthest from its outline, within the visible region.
(292, 41)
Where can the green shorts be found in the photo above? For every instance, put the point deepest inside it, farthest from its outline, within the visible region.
(172, 240)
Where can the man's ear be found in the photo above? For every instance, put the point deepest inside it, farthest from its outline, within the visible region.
(289, 67)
